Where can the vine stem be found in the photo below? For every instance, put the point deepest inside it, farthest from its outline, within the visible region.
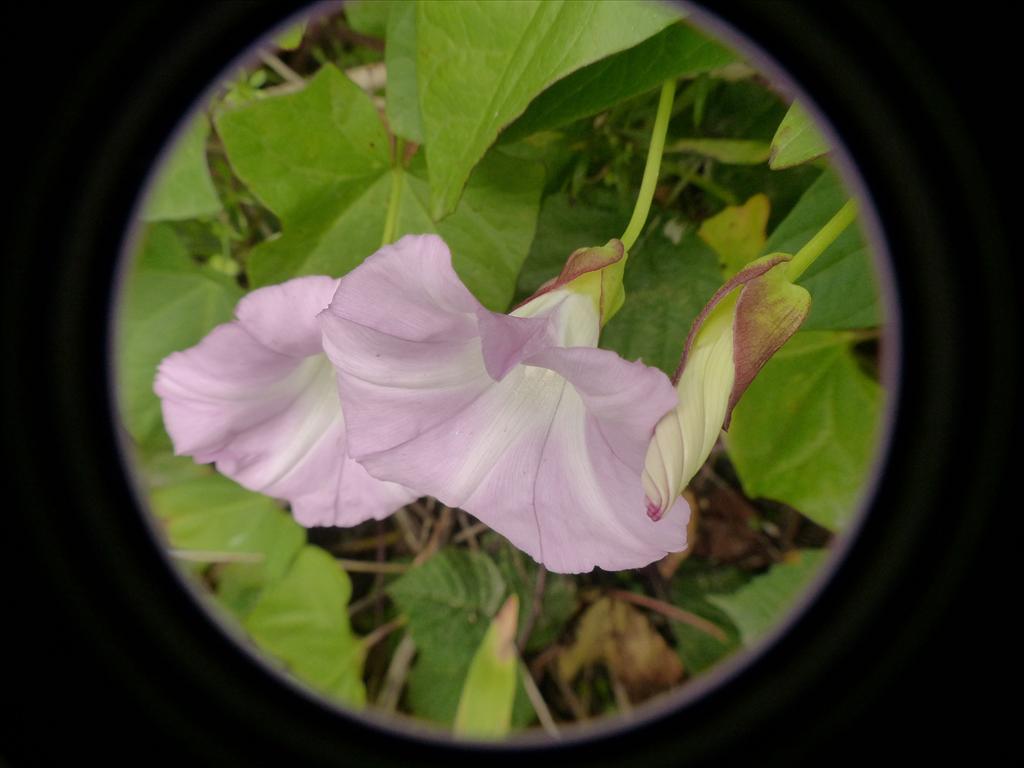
(650, 180)
(822, 240)
(391, 220)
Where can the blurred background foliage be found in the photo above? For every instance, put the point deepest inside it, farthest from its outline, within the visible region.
(287, 171)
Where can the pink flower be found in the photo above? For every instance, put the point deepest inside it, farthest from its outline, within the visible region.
(257, 396)
(518, 419)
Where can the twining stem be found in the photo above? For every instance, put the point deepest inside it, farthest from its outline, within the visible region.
(650, 180)
(825, 237)
(671, 611)
(369, 566)
(391, 220)
(383, 631)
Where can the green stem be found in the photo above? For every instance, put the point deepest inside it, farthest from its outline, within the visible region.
(391, 219)
(825, 237)
(650, 180)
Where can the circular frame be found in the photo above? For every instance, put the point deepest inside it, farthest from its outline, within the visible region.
(178, 682)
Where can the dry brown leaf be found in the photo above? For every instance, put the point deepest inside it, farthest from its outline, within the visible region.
(613, 633)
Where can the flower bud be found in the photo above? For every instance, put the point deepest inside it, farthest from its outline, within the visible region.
(746, 322)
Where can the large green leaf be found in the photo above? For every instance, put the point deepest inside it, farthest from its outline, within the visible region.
(806, 430)
(183, 188)
(302, 620)
(323, 143)
(170, 303)
(370, 17)
(678, 50)
(403, 103)
(214, 515)
(767, 599)
(797, 140)
(667, 285)
(842, 284)
(480, 64)
(449, 601)
(319, 159)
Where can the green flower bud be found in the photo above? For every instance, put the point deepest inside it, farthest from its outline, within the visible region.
(741, 327)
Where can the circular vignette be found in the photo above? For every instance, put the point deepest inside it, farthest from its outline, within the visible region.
(99, 618)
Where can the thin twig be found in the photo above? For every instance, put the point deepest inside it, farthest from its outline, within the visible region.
(408, 529)
(383, 631)
(466, 530)
(672, 612)
(283, 89)
(473, 530)
(542, 659)
(398, 671)
(286, 72)
(441, 530)
(369, 542)
(366, 601)
(621, 697)
(535, 606)
(378, 579)
(425, 530)
(540, 706)
(578, 710)
(424, 510)
(368, 566)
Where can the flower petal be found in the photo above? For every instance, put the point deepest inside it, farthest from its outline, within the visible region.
(258, 397)
(548, 451)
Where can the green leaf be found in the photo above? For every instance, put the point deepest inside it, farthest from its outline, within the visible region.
(403, 105)
(183, 188)
(302, 620)
(766, 600)
(557, 606)
(164, 468)
(449, 600)
(170, 303)
(212, 514)
(370, 17)
(306, 149)
(318, 158)
(737, 233)
(677, 51)
(797, 140)
(667, 285)
(485, 705)
(291, 38)
(806, 430)
(841, 282)
(744, 109)
(563, 226)
(480, 65)
(734, 151)
(691, 589)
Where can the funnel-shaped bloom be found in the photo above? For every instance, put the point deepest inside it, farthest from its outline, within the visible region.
(518, 419)
(257, 396)
(742, 326)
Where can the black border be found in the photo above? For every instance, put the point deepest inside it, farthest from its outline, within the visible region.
(902, 654)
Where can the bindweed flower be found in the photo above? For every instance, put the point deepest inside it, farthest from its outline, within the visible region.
(519, 419)
(257, 397)
(742, 326)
